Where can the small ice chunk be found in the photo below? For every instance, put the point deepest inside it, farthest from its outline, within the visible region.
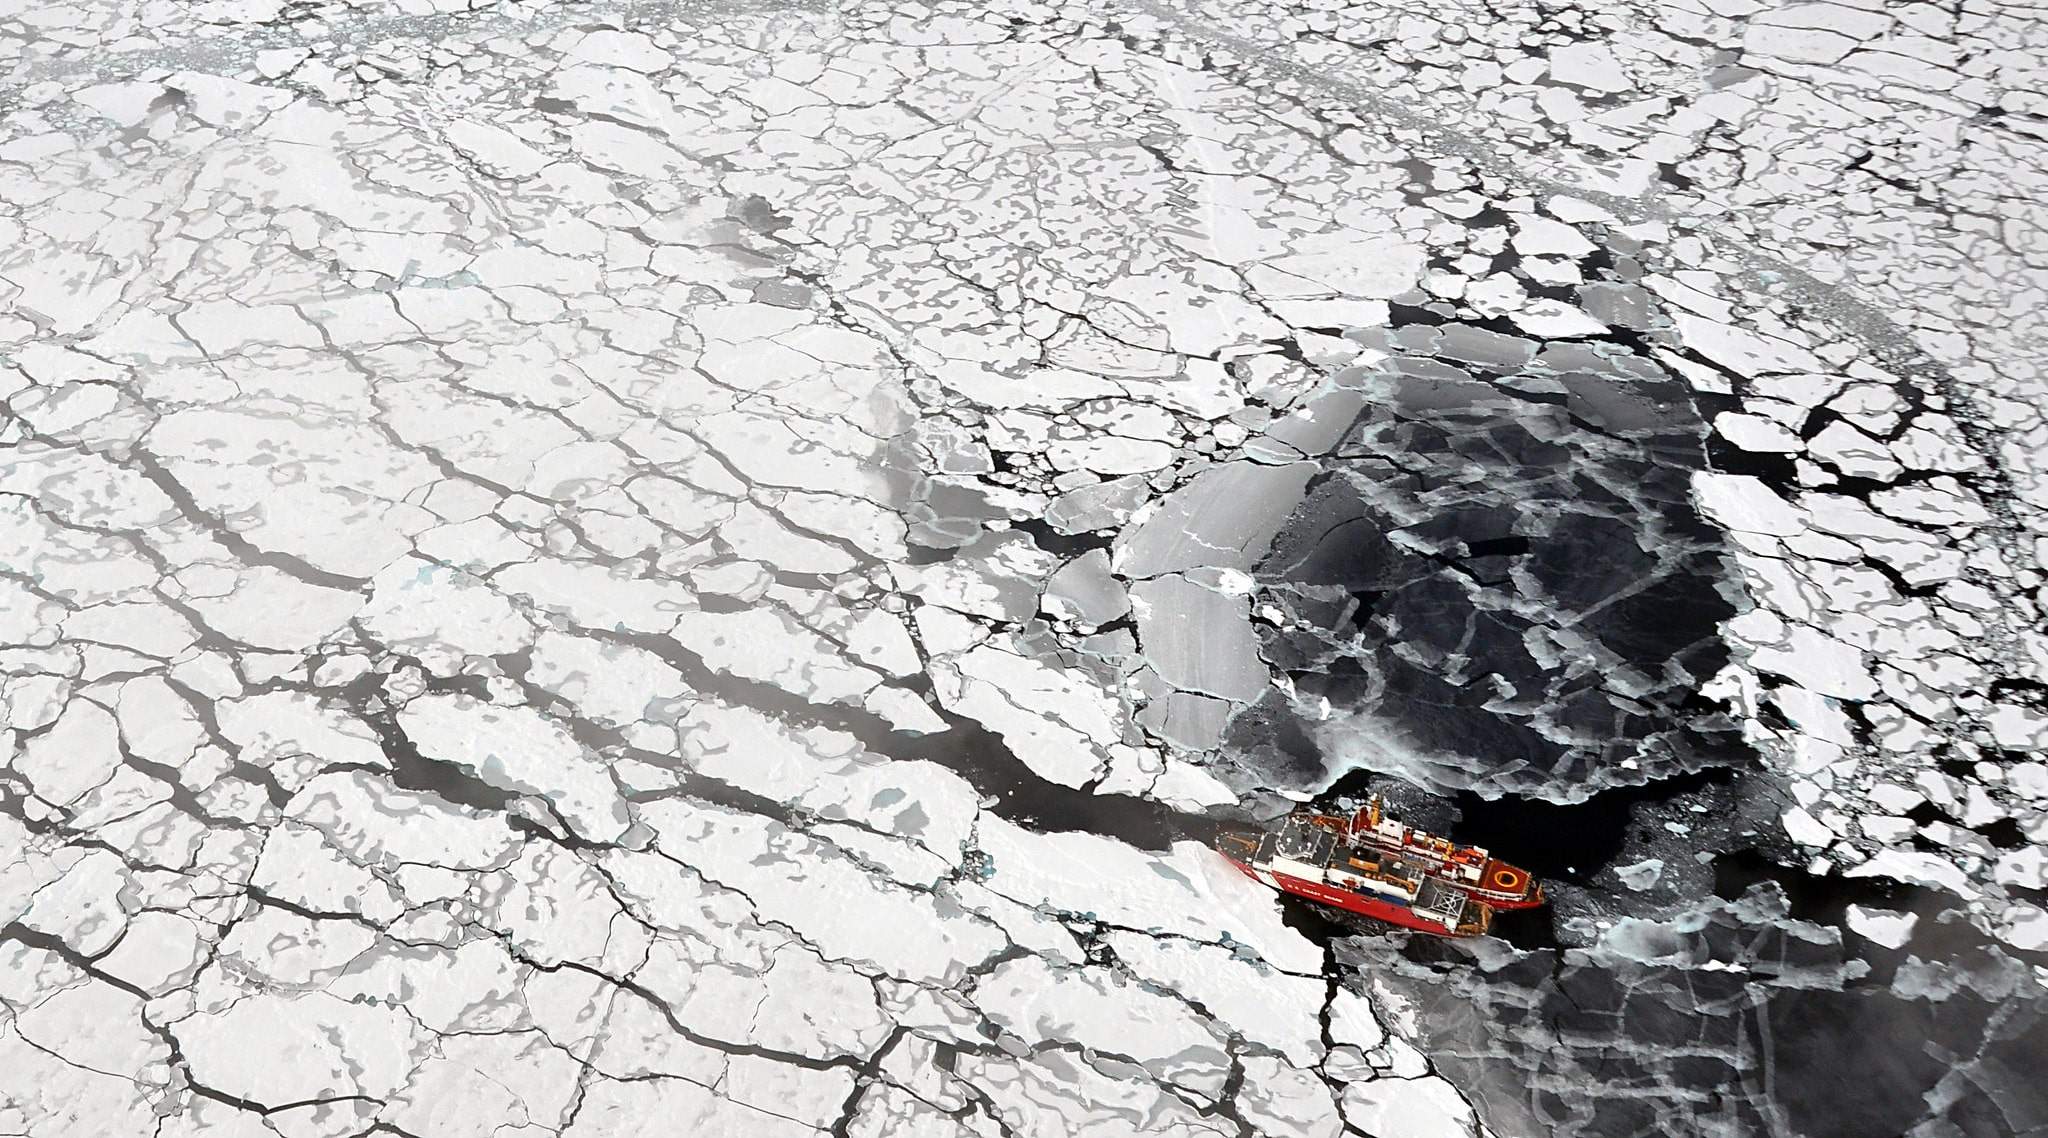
(1642, 875)
(2024, 927)
(2018, 728)
(1854, 453)
(1578, 210)
(1882, 926)
(1552, 319)
(1083, 590)
(1805, 829)
(2026, 868)
(1918, 868)
(1189, 787)
(1756, 433)
(1540, 236)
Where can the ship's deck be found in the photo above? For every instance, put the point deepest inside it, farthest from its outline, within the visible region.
(1301, 841)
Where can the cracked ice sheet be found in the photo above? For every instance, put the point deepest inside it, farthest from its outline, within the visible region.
(541, 526)
(468, 667)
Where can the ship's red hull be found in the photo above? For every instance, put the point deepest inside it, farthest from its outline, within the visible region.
(1345, 899)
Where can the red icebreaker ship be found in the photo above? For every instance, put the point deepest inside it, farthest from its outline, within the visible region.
(1374, 866)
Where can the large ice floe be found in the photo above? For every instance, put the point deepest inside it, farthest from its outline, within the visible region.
(651, 568)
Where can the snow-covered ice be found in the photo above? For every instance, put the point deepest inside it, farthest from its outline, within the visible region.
(643, 567)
